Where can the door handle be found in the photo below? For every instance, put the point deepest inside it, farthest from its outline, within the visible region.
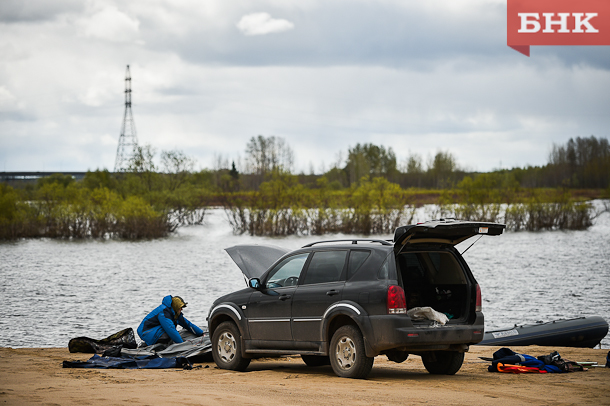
(284, 297)
(332, 292)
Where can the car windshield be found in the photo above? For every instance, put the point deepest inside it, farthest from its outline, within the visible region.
(287, 272)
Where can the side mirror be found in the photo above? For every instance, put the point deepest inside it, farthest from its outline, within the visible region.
(254, 283)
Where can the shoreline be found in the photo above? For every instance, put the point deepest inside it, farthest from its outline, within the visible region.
(35, 375)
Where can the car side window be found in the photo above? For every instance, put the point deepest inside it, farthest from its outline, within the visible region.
(325, 266)
(388, 268)
(356, 259)
(287, 273)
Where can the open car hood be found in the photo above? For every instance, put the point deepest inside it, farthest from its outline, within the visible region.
(254, 260)
(444, 231)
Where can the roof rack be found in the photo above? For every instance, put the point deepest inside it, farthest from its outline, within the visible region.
(352, 240)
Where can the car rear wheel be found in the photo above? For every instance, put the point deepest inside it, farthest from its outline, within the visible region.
(347, 356)
(315, 360)
(226, 347)
(443, 362)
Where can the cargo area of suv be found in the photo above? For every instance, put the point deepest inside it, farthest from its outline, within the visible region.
(434, 279)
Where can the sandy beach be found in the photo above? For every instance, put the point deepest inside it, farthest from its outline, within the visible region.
(36, 376)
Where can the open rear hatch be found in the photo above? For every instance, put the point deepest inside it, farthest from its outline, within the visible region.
(444, 231)
(430, 270)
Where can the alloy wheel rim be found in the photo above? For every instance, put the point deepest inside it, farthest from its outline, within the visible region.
(227, 348)
(346, 353)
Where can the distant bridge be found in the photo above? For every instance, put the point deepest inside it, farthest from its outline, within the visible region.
(26, 176)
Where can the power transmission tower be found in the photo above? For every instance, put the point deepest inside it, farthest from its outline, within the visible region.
(128, 141)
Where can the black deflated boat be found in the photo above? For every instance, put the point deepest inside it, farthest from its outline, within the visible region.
(583, 332)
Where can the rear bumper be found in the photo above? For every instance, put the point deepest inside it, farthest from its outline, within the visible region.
(398, 332)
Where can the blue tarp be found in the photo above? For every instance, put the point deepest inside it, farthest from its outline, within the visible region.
(129, 363)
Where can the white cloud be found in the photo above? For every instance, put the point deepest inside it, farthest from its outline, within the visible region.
(262, 24)
(97, 95)
(388, 72)
(7, 99)
(111, 24)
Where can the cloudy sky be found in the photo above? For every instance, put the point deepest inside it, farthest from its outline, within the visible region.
(417, 76)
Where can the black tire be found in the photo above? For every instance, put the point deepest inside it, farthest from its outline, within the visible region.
(397, 356)
(315, 360)
(443, 362)
(347, 356)
(226, 347)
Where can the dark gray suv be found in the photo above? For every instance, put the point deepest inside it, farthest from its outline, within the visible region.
(344, 302)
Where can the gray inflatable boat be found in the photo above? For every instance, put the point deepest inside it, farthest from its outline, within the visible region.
(583, 332)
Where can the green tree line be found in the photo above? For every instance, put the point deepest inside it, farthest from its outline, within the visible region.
(580, 163)
(368, 194)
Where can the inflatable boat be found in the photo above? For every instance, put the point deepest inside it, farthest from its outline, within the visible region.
(583, 332)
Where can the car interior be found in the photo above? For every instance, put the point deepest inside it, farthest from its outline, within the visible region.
(434, 279)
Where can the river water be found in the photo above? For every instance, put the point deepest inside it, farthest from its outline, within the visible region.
(56, 290)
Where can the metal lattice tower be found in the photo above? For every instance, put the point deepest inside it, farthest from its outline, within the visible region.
(128, 141)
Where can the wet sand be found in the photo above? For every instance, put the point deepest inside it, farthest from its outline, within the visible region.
(36, 376)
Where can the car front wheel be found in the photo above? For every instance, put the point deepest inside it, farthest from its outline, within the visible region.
(443, 362)
(226, 347)
(347, 356)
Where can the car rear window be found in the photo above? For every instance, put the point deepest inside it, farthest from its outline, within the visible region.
(430, 267)
(325, 266)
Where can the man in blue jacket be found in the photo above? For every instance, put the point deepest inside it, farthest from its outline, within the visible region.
(160, 324)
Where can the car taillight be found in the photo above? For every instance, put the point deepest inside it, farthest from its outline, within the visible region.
(479, 304)
(397, 304)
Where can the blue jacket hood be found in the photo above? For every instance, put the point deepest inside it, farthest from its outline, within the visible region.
(167, 301)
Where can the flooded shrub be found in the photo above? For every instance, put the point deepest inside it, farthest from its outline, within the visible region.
(478, 212)
(324, 220)
(536, 216)
(282, 207)
(136, 219)
(481, 198)
(105, 204)
(496, 197)
(268, 222)
(17, 218)
(375, 207)
(556, 211)
(278, 208)
(515, 217)
(374, 222)
(65, 210)
(183, 206)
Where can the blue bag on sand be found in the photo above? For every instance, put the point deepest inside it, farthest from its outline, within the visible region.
(508, 356)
